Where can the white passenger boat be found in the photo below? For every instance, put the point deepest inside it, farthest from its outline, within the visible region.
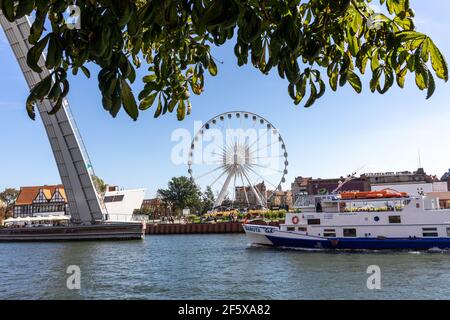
(383, 219)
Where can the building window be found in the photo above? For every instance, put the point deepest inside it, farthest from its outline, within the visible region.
(313, 221)
(430, 232)
(395, 219)
(350, 232)
(113, 198)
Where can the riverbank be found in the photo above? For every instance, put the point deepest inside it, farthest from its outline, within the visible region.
(197, 228)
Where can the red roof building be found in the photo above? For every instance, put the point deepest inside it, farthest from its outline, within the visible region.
(41, 201)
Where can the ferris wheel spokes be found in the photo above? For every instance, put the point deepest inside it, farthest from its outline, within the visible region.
(238, 157)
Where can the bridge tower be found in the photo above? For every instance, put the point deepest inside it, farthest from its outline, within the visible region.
(68, 148)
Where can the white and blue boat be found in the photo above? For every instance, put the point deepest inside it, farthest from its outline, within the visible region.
(360, 220)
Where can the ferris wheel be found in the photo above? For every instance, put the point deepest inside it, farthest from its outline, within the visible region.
(241, 156)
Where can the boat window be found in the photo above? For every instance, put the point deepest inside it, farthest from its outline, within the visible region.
(313, 221)
(349, 232)
(395, 219)
(448, 232)
(301, 228)
(430, 232)
(329, 233)
(290, 229)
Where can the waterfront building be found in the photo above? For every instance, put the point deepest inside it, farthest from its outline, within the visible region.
(41, 201)
(156, 206)
(120, 204)
(418, 176)
(244, 194)
(280, 199)
(326, 186)
(446, 178)
(300, 185)
(414, 183)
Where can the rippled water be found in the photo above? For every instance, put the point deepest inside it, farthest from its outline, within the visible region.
(213, 267)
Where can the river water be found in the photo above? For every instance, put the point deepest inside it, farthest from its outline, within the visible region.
(213, 267)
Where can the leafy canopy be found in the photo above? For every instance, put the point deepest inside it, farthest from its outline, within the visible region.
(181, 193)
(309, 43)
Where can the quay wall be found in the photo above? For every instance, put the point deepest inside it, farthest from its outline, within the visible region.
(196, 228)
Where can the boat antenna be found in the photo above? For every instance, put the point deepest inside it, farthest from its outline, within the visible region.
(420, 161)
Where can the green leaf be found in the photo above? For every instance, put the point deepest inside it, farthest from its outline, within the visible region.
(172, 105)
(8, 9)
(401, 76)
(438, 62)
(431, 85)
(422, 77)
(374, 82)
(41, 89)
(24, 8)
(147, 102)
(158, 109)
(354, 81)
(312, 97)
(149, 78)
(212, 68)
(301, 90)
(86, 71)
(128, 100)
(30, 107)
(334, 79)
(35, 53)
(181, 110)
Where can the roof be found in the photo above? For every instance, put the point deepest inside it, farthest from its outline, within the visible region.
(28, 194)
(302, 181)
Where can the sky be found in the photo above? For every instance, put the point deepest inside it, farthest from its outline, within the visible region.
(341, 132)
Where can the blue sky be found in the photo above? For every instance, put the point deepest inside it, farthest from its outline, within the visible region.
(341, 132)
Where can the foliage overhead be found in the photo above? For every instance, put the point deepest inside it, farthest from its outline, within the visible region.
(308, 43)
(181, 193)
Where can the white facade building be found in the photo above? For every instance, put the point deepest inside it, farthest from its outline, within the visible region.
(120, 204)
(413, 189)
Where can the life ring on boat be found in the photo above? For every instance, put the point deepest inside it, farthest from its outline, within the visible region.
(295, 220)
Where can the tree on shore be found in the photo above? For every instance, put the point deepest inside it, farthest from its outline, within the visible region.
(8, 197)
(181, 193)
(308, 43)
(207, 200)
(99, 184)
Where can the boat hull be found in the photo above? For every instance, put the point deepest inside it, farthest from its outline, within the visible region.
(272, 236)
(101, 231)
